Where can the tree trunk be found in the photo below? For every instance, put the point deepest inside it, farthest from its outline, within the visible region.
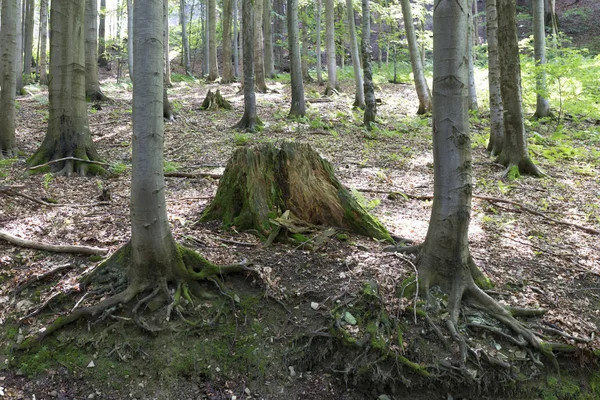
(213, 68)
(359, 97)
(185, 43)
(130, 38)
(8, 79)
(470, 39)
(496, 108)
(19, 52)
(236, 41)
(542, 108)
(514, 154)
(318, 44)
(268, 40)
(92, 84)
(278, 33)
(304, 51)
(332, 83)
(68, 134)
(167, 56)
(250, 121)
(423, 92)
(102, 58)
(298, 107)
(227, 62)
(43, 42)
(367, 55)
(28, 39)
(259, 60)
(262, 183)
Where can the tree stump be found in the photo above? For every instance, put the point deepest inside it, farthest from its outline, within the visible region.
(214, 101)
(262, 184)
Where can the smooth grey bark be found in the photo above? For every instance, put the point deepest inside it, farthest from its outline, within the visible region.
(367, 56)
(205, 39)
(471, 54)
(268, 40)
(19, 51)
(8, 79)
(92, 84)
(278, 30)
(318, 44)
(130, 38)
(514, 154)
(298, 108)
(496, 108)
(304, 50)
(185, 43)
(28, 38)
(68, 134)
(250, 121)
(167, 57)
(236, 41)
(332, 83)
(213, 68)
(227, 62)
(102, 58)
(421, 85)
(259, 60)
(542, 108)
(359, 97)
(43, 42)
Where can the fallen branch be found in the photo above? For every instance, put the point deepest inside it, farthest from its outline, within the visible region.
(67, 159)
(319, 100)
(87, 250)
(192, 175)
(9, 190)
(40, 277)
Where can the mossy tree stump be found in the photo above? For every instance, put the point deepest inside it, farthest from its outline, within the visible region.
(214, 101)
(261, 183)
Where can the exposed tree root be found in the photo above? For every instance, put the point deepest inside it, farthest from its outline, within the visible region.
(248, 124)
(74, 160)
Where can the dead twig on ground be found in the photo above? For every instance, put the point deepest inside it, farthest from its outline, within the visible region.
(192, 175)
(68, 159)
(39, 277)
(17, 241)
(9, 191)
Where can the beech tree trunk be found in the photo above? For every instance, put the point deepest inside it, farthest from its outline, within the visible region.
(28, 38)
(68, 134)
(332, 83)
(514, 154)
(185, 43)
(236, 41)
(43, 42)
(298, 108)
(19, 51)
(470, 40)
(367, 55)
(542, 108)
(8, 79)
(304, 51)
(102, 59)
(92, 84)
(268, 40)
(421, 85)
(167, 57)
(496, 141)
(213, 68)
(130, 38)
(359, 97)
(262, 183)
(259, 60)
(227, 61)
(318, 44)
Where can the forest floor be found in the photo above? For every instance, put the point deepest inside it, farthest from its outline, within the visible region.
(272, 334)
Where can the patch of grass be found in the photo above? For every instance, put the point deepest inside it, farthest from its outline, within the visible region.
(242, 139)
(170, 166)
(118, 168)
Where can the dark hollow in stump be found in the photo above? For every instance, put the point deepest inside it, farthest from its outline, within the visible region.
(214, 101)
(260, 183)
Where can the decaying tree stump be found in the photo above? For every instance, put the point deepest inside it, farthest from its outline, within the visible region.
(214, 101)
(262, 184)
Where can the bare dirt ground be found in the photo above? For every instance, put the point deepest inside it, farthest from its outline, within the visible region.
(533, 260)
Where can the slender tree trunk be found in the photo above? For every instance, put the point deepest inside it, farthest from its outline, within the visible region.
(102, 59)
(205, 41)
(496, 109)
(359, 97)
(185, 44)
(332, 83)
(367, 55)
(542, 108)
(227, 65)
(167, 56)
(213, 68)
(92, 85)
(250, 121)
(8, 79)
(278, 26)
(514, 153)
(318, 44)
(298, 107)
(475, 23)
(471, 39)
(68, 133)
(28, 38)
(423, 92)
(43, 41)
(304, 51)
(268, 40)
(130, 38)
(19, 52)
(236, 41)
(259, 60)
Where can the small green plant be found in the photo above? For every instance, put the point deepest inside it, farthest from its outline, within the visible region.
(117, 169)
(170, 166)
(242, 139)
(361, 199)
(47, 180)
